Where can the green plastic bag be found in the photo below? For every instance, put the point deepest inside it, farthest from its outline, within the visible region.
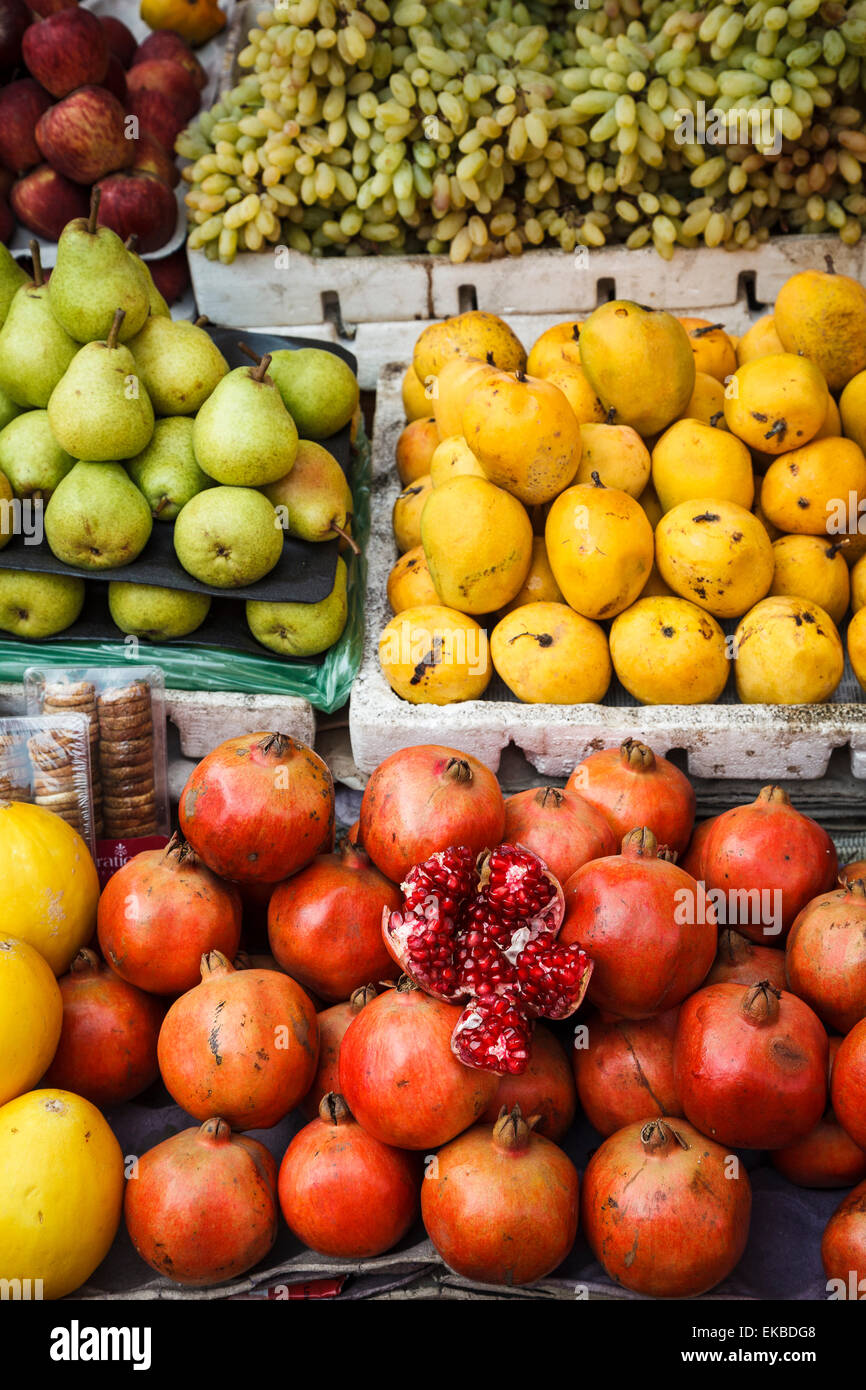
(325, 683)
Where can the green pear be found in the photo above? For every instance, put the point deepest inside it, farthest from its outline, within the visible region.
(97, 519)
(35, 350)
(8, 409)
(314, 501)
(101, 411)
(38, 605)
(319, 390)
(228, 537)
(179, 364)
(156, 614)
(301, 629)
(94, 276)
(244, 436)
(12, 278)
(166, 470)
(30, 456)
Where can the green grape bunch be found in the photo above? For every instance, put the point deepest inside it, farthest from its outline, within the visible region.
(478, 128)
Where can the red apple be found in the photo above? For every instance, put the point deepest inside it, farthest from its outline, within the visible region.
(156, 116)
(139, 205)
(45, 201)
(176, 84)
(21, 105)
(114, 80)
(153, 158)
(7, 221)
(66, 50)
(84, 136)
(171, 275)
(7, 178)
(165, 44)
(14, 22)
(120, 40)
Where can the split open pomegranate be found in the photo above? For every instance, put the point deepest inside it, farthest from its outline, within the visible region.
(484, 933)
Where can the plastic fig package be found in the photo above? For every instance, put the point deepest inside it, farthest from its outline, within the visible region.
(123, 711)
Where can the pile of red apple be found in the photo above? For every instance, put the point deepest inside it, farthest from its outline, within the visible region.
(83, 103)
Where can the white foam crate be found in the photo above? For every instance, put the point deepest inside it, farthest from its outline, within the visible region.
(726, 740)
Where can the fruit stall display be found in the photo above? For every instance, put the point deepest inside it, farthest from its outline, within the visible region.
(637, 510)
(562, 1039)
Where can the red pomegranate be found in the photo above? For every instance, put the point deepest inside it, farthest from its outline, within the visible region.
(665, 1210)
(848, 1086)
(501, 1205)
(826, 1156)
(626, 1073)
(160, 913)
(424, 799)
(107, 1048)
(545, 1089)
(740, 962)
(769, 860)
(325, 924)
(645, 926)
(631, 786)
(856, 869)
(750, 1065)
(825, 956)
(693, 859)
(244, 1042)
(560, 827)
(333, 1023)
(343, 1192)
(843, 1247)
(399, 1076)
(485, 932)
(203, 1206)
(259, 808)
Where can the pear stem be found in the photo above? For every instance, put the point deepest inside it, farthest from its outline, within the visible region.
(201, 321)
(248, 352)
(160, 506)
(38, 277)
(95, 198)
(350, 541)
(119, 316)
(131, 243)
(260, 372)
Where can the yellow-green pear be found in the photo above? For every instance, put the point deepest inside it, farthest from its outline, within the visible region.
(301, 629)
(12, 278)
(179, 364)
(314, 500)
(319, 390)
(244, 436)
(95, 275)
(97, 519)
(35, 350)
(154, 613)
(100, 410)
(39, 605)
(30, 456)
(166, 470)
(228, 537)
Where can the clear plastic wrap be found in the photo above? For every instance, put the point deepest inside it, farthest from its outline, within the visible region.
(46, 760)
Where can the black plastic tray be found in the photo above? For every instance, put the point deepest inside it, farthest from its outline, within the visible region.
(306, 570)
(223, 627)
